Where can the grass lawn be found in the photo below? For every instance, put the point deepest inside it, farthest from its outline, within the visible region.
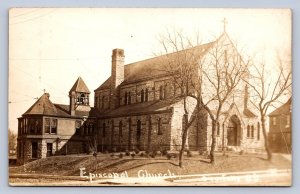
(197, 164)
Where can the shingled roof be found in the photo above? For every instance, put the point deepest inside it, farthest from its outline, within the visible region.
(141, 108)
(44, 106)
(79, 86)
(153, 67)
(284, 109)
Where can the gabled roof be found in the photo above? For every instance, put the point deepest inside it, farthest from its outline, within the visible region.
(43, 106)
(105, 85)
(284, 109)
(154, 67)
(79, 86)
(249, 113)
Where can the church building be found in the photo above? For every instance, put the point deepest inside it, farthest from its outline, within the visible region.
(137, 107)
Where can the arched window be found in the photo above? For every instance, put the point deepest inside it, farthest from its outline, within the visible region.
(161, 92)
(81, 99)
(120, 129)
(126, 96)
(103, 101)
(142, 95)
(96, 101)
(138, 131)
(146, 95)
(129, 97)
(103, 130)
(258, 131)
(248, 131)
(159, 128)
(252, 131)
(166, 91)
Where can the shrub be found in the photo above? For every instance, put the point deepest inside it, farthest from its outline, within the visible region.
(169, 156)
(137, 151)
(112, 155)
(189, 153)
(127, 153)
(142, 154)
(165, 152)
(241, 152)
(121, 155)
(133, 155)
(158, 153)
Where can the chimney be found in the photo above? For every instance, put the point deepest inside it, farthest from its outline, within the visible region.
(72, 103)
(117, 75)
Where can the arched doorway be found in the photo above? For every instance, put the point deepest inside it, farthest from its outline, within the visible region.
(233, 131)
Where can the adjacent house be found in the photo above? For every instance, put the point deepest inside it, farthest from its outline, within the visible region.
(280, 123)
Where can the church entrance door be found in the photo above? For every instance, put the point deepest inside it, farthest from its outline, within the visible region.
(233, 131)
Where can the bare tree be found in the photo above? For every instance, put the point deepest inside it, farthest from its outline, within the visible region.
(223, 70)
(268, 88)
(93, 147)
(207, 73)
(180, 64)
(12, 141)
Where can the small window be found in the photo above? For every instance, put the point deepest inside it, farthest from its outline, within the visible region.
(50, 126)
(47, 125)
(53, 126)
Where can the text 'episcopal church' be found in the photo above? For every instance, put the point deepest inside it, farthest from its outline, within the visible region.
(137, 107)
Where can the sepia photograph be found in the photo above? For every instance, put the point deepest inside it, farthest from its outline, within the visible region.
(150, 97)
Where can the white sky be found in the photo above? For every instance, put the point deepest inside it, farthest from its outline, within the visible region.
(50, 47)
